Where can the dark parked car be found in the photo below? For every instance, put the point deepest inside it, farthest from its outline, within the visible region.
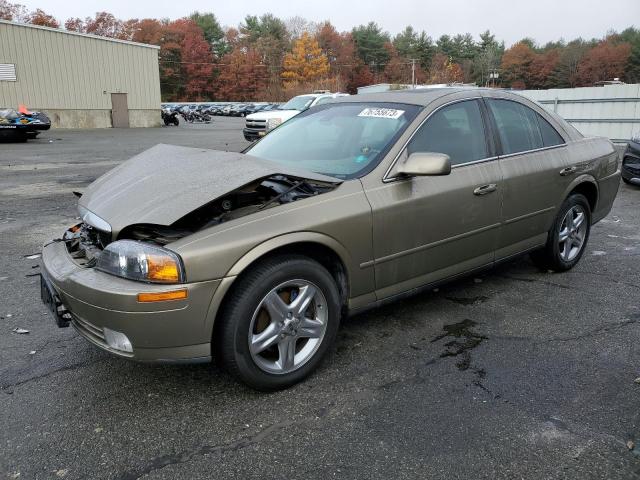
(254, 257)
(631, 162)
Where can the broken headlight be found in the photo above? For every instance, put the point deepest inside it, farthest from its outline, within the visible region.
(142, 262)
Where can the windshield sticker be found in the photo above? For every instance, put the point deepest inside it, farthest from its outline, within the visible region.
(381, 113)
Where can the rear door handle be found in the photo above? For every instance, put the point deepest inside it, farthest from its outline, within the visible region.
(568, 170)
(484, 189)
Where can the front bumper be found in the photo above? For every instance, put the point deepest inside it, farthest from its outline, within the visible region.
(631, 172)
(252, 135)
(168, 331)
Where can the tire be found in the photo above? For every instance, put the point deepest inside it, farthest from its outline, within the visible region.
(276, 283)
(176, 122)
(166, 122)
(558, 255)
(627, 181)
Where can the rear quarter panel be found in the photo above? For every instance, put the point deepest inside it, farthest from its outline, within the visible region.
(598, 163)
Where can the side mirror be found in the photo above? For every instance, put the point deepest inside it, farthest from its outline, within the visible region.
(425, 163)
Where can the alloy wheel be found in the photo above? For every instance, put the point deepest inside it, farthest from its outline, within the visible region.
(572, 233)
(288, 326)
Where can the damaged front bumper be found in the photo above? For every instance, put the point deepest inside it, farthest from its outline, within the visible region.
(101, 306)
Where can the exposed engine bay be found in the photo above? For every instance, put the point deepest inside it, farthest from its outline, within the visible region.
(85, 242)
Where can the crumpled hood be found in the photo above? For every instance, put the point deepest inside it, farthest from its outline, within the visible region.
(163, 184)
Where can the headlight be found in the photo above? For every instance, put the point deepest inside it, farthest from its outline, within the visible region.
(141, 261)
(273, 123)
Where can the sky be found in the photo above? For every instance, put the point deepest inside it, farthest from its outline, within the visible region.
(509, 20)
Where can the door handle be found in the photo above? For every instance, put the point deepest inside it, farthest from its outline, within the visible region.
(484, 189)
(568, 170)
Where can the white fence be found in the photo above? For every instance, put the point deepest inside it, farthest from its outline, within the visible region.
(611, 111)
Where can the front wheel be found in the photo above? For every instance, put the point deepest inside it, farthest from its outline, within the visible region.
(279, 322)
(568, 237)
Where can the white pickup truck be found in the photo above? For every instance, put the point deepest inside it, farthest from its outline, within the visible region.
(258, 124)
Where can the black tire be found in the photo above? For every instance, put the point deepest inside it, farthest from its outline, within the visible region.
(232, 330)
(176, 122)
(550, 257)
(166, 122)
(627, 181)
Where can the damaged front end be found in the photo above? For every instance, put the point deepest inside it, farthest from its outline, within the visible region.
(87, 240)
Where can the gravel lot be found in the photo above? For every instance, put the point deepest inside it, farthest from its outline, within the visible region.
(512, 374)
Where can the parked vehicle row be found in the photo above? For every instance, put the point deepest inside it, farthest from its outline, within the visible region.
(222, 109)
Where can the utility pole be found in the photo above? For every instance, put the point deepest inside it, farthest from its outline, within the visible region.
(413, 73)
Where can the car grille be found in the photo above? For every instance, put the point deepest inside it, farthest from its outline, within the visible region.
(89, 330)
(257, 124)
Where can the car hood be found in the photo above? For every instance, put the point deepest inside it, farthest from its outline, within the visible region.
(161, 185)
(283, 114)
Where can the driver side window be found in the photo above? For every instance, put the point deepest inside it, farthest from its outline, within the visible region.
(457, 130)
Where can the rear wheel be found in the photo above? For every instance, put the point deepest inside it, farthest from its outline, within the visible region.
(568, 238)
(279, 322)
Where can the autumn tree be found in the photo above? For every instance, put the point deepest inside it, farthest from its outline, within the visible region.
(359, 76)
(268, 36)
(516, 65)
(542, 68)
(13, 12)
(149, 31)
(242, 76)
(605, 61)
(40, 17)
(565, 75)
(444, 70)
(306, 62)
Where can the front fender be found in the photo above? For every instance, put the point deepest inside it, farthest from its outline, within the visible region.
(290, 239)
(354, 272)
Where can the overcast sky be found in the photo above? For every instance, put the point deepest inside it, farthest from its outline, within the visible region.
(509, 20)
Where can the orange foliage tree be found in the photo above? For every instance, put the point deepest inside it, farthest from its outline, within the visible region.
(444, 70)
(39, 17)
(306, 62)
(516, 65)
(242, 75)
(605, 61)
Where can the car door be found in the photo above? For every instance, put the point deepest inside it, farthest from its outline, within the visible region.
(535, 165)
(429, 228)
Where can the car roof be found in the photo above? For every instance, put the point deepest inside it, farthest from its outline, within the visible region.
(418, 96)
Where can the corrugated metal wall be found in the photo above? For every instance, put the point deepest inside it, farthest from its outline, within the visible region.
(59, 70)
(611, 111)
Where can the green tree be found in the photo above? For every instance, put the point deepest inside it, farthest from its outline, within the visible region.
(632, 37)
(411, 44)
(213, 32)
(487, 58)
(370, 41)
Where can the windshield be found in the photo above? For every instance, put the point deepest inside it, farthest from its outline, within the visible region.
(344, 140)
(298, 103)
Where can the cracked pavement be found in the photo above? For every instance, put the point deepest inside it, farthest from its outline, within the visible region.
(512, 374)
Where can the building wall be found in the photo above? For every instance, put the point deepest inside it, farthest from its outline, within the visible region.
(71, 76)
(611, 111)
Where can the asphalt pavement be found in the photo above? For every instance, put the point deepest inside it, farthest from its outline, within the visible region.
(514, 373)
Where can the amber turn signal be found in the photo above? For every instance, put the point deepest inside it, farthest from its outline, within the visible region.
(162, 296)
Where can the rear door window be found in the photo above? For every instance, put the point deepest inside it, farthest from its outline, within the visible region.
(517, 126)
(457, 130)
(550, 137)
